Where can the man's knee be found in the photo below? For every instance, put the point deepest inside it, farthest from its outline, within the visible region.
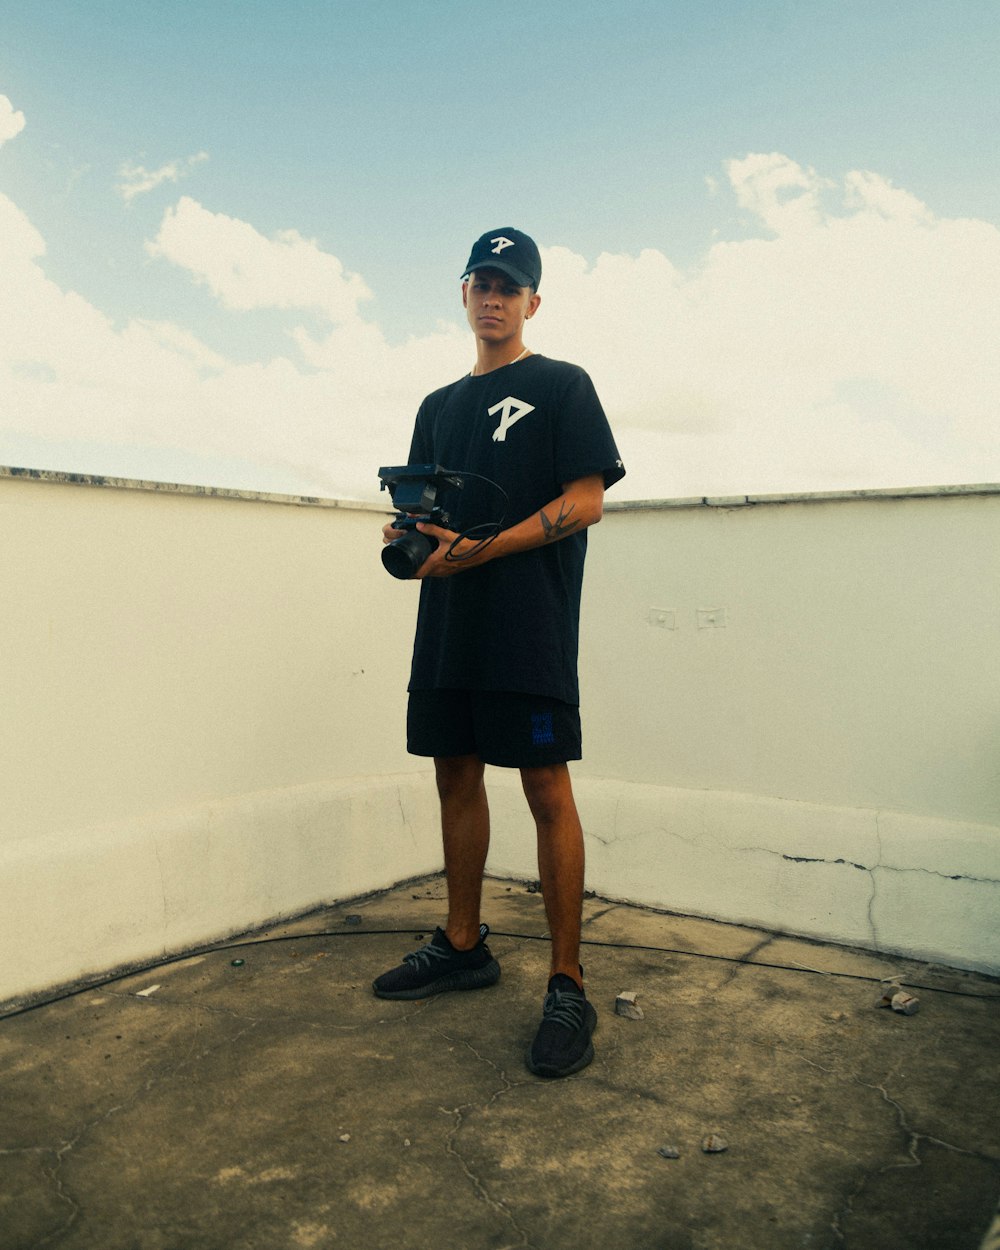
(549, 792)
(459, 777)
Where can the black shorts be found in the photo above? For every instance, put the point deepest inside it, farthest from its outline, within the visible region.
(509, 730)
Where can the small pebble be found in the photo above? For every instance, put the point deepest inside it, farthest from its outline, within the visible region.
(669, 1152)
(905, 1003)
(714, 1144)
(887, 993)
(625, 1005)
(344, 1137)
(237, 963)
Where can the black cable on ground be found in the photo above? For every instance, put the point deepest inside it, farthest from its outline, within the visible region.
(246, 943)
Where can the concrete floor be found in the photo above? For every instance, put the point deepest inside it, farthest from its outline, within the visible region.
(207, 1106)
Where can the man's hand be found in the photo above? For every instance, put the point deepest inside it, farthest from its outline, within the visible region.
(438, 563)
(389, 534)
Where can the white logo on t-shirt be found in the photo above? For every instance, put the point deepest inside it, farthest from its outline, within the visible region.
(511, 410)
(501, 242)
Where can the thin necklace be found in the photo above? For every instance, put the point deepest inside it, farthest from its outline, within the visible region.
(474, 374)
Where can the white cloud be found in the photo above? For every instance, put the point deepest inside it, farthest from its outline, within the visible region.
(866, 190)
(11, 122)
(324, 422)
(138, 179)
(245, 270)
(854, 343)
(781, 193)
(737, 371)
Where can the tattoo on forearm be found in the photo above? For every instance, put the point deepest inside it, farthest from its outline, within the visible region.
(561, 526)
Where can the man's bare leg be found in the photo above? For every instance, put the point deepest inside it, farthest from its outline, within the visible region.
(549, 792)
(465, 832)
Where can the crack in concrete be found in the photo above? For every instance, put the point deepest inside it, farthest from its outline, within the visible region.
(61, 1152)
(912, 1142)
(744, 961)
(402, 816)
(654, 831)
(54, 1174)
(870, 912)
(459, 1116)
(599, 915)
(870, 868)
(614, 835)
(807, 859)
(596, 837)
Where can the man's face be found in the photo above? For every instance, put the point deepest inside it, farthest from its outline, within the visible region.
(496, 306)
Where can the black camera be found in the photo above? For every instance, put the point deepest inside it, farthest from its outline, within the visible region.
(414, 489)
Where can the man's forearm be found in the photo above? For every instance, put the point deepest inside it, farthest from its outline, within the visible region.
(574, 510)
(563, 523)
(580, 505)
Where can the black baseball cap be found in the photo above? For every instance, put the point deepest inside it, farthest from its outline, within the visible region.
(509, 250)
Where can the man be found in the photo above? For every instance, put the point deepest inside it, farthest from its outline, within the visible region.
(494, 677)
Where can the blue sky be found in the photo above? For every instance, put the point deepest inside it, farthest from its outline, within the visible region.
(757, 219)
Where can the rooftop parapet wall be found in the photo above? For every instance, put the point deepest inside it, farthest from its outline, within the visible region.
(835, 649)
(790, 717)
(173, 645)
(633, 505)
(811, 685)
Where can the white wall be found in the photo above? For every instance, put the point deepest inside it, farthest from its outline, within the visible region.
(163, 649)
(203, 720)
(203, 705)
(857, 664)
(792, 717)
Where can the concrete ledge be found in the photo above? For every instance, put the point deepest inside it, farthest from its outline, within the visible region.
(877, 494)
(177, 488)
(87, 901)
(612, 505)
(887, 881)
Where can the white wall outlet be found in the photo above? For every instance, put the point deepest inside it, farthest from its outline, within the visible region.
(711, 618)
(665, 618)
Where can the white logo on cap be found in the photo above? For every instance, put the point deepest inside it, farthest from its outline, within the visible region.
(501, 243)
(510, 410)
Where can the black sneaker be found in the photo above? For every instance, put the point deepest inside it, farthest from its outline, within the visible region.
(438, 967)
(562, 1044)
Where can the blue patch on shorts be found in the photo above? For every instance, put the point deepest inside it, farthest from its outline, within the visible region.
(542, 732)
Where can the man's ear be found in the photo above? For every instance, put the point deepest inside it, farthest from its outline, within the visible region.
(465, 295)
(533, 303)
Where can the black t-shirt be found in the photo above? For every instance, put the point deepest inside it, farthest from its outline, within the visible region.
(513, 623)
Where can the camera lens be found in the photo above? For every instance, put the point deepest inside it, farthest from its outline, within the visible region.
(404, 556)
